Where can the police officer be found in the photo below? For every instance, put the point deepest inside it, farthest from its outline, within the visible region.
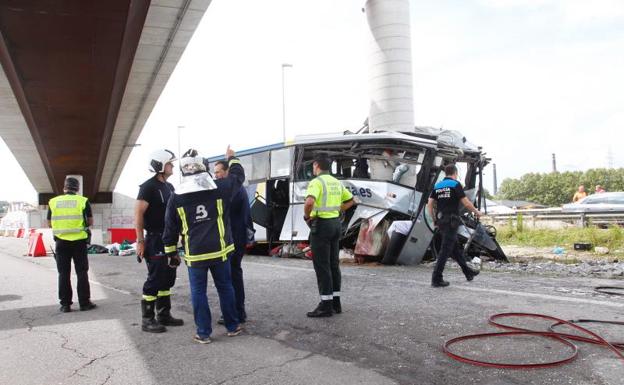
(242, 225)
(325, 198)
(443, 206)
(200, 211)
(149, 218)
(69, 216)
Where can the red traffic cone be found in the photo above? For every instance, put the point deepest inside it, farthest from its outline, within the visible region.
(35, 245)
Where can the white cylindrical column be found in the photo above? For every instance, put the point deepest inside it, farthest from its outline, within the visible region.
(390, 66)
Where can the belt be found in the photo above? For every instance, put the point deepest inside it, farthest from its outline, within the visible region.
(153, 234)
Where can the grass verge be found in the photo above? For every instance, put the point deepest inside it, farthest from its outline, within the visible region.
(612, 238)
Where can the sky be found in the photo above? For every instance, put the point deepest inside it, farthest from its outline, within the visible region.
(522, 78)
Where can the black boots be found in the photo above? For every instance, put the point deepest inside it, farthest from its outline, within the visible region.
(471, 274)
(163, 312)
(439, 282)
(149, 323)
(336, 305)
(324, 309)
(327, 308)
(87, 306)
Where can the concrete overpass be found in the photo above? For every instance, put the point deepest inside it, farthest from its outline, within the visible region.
(80, 78)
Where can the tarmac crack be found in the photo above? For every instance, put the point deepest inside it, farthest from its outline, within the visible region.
(28, 321)
(93, 361)
(108, 377)
(266, 367)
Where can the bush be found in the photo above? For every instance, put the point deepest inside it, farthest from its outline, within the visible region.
(555, 189)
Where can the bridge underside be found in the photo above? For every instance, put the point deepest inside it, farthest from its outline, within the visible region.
(80, 78)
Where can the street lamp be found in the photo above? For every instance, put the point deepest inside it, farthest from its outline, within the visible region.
(284, 65)
(179, 151)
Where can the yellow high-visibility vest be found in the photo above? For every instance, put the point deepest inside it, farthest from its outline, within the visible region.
(328, 195)
(68, 222)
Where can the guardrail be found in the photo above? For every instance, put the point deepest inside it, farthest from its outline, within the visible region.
(555, 214)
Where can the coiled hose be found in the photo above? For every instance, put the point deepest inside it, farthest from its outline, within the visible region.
(563, 338)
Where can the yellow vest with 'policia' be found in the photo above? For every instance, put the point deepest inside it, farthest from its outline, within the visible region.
(67, 217)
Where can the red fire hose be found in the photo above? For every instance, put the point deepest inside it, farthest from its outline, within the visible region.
(562, 338)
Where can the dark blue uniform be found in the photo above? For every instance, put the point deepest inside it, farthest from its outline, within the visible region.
(160, 277)
(241, 223)
(448, 194)
(203, 219)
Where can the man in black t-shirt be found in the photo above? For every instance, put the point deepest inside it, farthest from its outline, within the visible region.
(445, 200)
(149, 217)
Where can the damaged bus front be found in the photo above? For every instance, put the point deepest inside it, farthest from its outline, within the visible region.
(390, 175)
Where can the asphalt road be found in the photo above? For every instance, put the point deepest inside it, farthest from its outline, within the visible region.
(391, 331)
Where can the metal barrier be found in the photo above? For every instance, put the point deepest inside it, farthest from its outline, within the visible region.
(555, 214)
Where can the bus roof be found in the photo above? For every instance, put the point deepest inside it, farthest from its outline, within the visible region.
(336, 138)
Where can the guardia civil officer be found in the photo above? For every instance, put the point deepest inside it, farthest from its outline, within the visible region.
(326, 197)
(69, 216)
(444, 207)
(149, 222)
(199, 210)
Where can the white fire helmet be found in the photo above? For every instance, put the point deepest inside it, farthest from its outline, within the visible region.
(195, 175)
(159, 158)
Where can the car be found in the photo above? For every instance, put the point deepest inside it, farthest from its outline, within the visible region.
(610, 202)
(495, 208)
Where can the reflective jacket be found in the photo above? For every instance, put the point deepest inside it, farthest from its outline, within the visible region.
(67, 217)
(328, 194)
(203, 219)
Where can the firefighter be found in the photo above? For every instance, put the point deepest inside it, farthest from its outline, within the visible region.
(200, 211)
(149, 222)
(326, 197)
(70, 216)
(445, 200)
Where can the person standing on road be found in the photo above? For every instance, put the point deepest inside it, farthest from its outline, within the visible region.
(326, 197)
(200, 211)
(443, 206)
(580, 194)
(69, 216)
(240, 220)
(149, 222)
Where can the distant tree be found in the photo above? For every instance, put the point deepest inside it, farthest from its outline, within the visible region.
(555, 189)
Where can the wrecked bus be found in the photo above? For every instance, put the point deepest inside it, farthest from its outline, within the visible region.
(390, 175)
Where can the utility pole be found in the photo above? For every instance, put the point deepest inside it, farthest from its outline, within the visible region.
(609, 158)
(495, 180)
(554, 163)
(179, 152)
(284, 66)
